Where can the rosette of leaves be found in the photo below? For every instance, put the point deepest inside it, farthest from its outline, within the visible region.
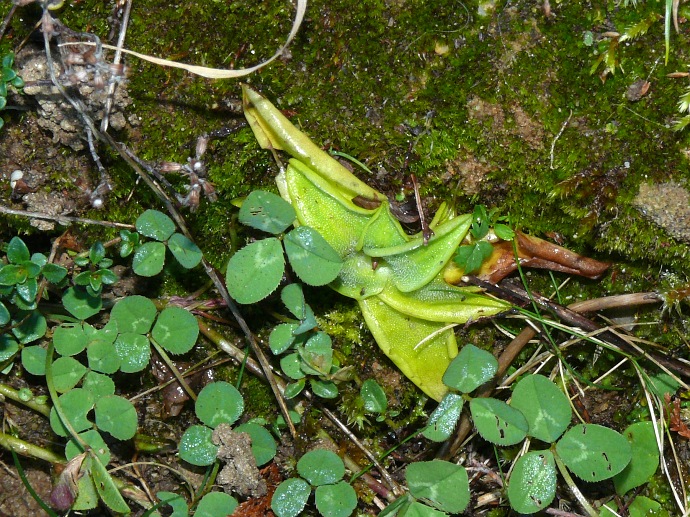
(149, 257)
(8, 78)
(256, 270)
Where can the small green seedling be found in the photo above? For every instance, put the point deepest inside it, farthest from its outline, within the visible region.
(323, 470)
(21, 274)
(306, 352)
(98, 273)
(470, 257)
(149, 257)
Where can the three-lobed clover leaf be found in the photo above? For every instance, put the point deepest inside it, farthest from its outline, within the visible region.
(149, 258)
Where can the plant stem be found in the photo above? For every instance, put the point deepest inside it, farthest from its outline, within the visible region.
(13, 394)
(573, 487)
(30, 450)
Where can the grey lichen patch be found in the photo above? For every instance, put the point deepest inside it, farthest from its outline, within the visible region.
(668, 205)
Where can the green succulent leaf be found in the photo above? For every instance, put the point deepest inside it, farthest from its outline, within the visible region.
(255, 271)
(267, 212)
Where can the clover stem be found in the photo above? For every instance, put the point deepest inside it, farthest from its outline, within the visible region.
(573, 487)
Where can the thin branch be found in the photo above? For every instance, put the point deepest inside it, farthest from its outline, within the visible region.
(64, 220)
